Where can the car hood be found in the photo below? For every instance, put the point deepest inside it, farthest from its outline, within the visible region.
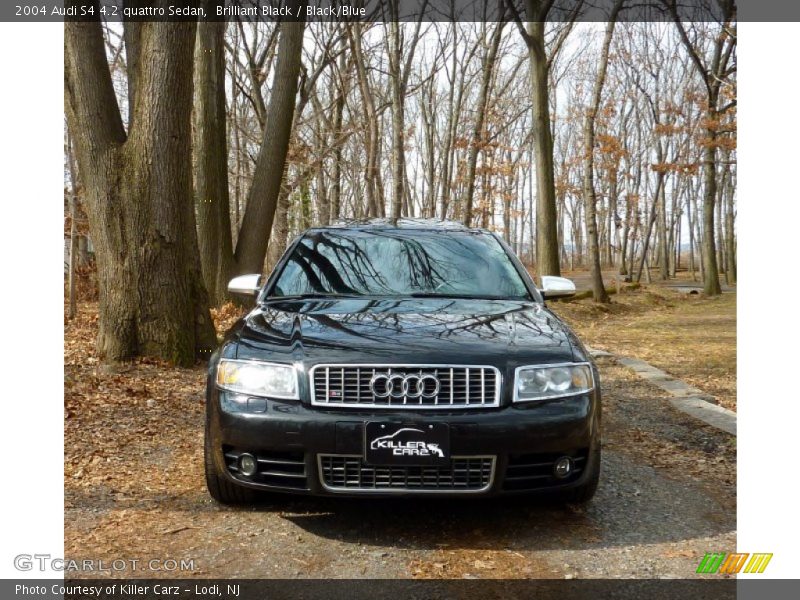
(410, 331)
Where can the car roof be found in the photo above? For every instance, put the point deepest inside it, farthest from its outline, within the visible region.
(402, 224)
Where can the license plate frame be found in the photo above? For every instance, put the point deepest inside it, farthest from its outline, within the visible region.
(406, 444)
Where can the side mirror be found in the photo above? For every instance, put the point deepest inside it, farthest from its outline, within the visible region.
(245, 285)
(556, 287)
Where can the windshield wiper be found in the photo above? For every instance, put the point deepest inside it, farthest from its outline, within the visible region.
(452, 296)
(313, 296)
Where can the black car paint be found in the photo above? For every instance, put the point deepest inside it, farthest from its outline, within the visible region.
(502, 333)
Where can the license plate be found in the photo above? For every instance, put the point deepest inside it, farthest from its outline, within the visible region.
(404, 444)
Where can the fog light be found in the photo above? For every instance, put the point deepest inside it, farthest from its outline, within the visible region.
(258, 405)
(248, 465)
(563, 467)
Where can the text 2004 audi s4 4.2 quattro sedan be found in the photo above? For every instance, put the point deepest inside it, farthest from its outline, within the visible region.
(401, 357)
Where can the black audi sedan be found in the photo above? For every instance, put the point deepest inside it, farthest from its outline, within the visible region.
(401, 357)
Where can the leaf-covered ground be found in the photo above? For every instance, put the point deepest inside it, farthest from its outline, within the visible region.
(692, 337)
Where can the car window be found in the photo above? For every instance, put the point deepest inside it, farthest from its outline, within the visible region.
(400, 263)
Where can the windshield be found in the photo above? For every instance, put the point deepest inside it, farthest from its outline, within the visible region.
(414, 263)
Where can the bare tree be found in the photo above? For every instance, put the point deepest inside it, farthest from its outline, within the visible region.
(374, 199)
(715, 72)
(547, 246)
(480, 115)
(139, 193)
(265, 189)
(421, 111)
(73, 228)
(399, 72)
(589, 196)
(220, 260)
(211, 160)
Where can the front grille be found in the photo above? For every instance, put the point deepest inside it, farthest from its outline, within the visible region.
(276, 469)
(366, 386)
(535, 471)
(466, 474)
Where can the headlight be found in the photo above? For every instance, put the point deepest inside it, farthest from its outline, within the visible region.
(258, 378)
(554, 381)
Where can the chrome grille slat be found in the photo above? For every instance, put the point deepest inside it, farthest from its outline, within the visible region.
(349, 473)
(452, 386)
(460, 386)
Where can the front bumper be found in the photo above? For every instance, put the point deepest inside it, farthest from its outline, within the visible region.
(303, 449)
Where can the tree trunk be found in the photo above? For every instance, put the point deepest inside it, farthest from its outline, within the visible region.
(663, 237)
(138, 191)
(719, 221)
(646, 241)
(589, 197)
(428, 116)
(711, 285)
(730, 245)
(262, 200)
(338, 115)
(280, 231)
(636, 219)
(132, 36)
(623, 239)
(699, 237)
(305, 205)
(321, 198)
(690, 223)
(547, 255)
(531, 222)
(73, 229)
(675, 234)
(614, 222)
(453, 112)
(398, 117)
(477, 132)
(372, 139)
(211, 161)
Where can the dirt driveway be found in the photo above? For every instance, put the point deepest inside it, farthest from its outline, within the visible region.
(134, 490)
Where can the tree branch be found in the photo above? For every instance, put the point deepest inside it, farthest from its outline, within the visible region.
(562, 35)
(518, 21)
(89, 94)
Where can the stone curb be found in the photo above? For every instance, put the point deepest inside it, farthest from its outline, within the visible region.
(685, 398)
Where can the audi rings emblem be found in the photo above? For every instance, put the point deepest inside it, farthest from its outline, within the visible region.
(397, 385)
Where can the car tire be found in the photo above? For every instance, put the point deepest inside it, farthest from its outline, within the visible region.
(222, 490)
(585, 492)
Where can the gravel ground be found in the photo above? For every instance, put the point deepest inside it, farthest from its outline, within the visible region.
(667, 496)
